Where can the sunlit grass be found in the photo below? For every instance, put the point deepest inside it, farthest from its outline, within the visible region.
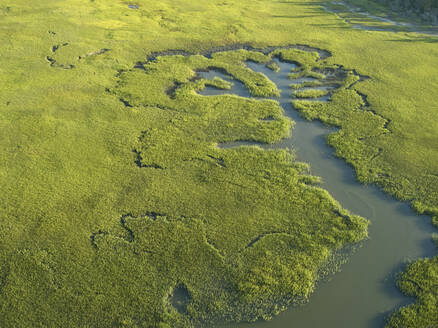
(68, 171)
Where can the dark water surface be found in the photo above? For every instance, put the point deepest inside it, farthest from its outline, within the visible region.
(364, 292)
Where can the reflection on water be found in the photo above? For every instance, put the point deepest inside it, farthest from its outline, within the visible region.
(364, 292)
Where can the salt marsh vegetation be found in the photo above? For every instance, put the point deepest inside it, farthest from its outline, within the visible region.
(106, 186)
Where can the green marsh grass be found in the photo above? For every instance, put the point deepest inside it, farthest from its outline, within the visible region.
(69, 176)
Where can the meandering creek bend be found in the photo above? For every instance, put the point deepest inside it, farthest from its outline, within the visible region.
(364, 292)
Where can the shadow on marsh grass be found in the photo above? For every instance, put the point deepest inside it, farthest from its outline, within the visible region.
(417, 39)
(315, 7)
(304, 3)
(363, 21)
(332, 26)
(356, 21)
(293, 17)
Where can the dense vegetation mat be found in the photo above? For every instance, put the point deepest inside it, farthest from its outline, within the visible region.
(79, 207)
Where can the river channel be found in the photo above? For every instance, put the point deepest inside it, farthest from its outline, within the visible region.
(364, 292)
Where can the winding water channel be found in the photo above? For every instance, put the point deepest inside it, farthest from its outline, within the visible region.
(364, 292)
